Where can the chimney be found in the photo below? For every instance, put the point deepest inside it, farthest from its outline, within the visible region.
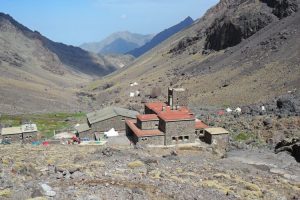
(164, 108)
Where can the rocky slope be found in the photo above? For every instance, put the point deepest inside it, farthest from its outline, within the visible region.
(238, 53)
(94, 173)
(39, 75)
(162, 36)
(117, 43)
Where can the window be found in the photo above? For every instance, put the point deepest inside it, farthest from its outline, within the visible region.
(174, 139)
(186, 138)
(123, 119)
(144, 139)
(180, 138)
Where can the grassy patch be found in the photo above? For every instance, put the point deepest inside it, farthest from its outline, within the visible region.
(46, 123)
(243, 136)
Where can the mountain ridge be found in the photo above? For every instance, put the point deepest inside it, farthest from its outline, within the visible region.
(162, 36)
(263, 64)
(109, 44)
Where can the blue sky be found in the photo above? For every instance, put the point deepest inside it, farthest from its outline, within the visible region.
(77, 21)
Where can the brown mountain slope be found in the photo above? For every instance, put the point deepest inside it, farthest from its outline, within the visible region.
(39, 75)
(239, 52)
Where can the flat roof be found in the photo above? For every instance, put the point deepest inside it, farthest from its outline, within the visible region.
(149, 117)
(216, 131)
(200, 125)
(142, 133)
(28, 128)
(11, 131)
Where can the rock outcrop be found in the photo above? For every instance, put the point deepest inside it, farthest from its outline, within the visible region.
(245, 18)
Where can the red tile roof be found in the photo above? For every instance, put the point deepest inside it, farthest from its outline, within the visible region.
(176, 116)
(200, 125)
(155, 106)
(142, 133)
(149, 117)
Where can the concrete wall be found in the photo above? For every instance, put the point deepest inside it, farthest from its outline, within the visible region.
(180, 132)
(117, 123)
(147, 125)
(29, 137)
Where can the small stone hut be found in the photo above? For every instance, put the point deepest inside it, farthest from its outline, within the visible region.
(217, 136)
(29, 132)
(12, 134)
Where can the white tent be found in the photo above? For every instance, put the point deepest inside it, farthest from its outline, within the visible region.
(228, 110)
(131, 94)
(238, 110)
(111, 133)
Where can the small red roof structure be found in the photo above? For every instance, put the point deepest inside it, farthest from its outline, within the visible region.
(149, 117)
(155, 106)
(176, 116)
(200, 125)
(142, 133)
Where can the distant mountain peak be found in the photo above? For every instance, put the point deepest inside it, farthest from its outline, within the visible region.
(162, 36)
(118, 42)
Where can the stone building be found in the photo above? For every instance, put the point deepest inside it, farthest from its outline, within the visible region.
(177, 97)
(29, 132)
(12, 134)
(25, 133)
(178, 128)
(165, 127)
(108, 118)
(218, 137)
(84, 132)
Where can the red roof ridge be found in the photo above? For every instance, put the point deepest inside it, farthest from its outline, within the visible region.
(147, 117)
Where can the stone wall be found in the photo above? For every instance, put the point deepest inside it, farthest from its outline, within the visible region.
(118, 123)
(162, 125)
(148, 125)
(29, 137)
(220, 141)
(153, 140)
(12, 138)
(130, 135)
(87, 134)
(180, 132)
(177, 98)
